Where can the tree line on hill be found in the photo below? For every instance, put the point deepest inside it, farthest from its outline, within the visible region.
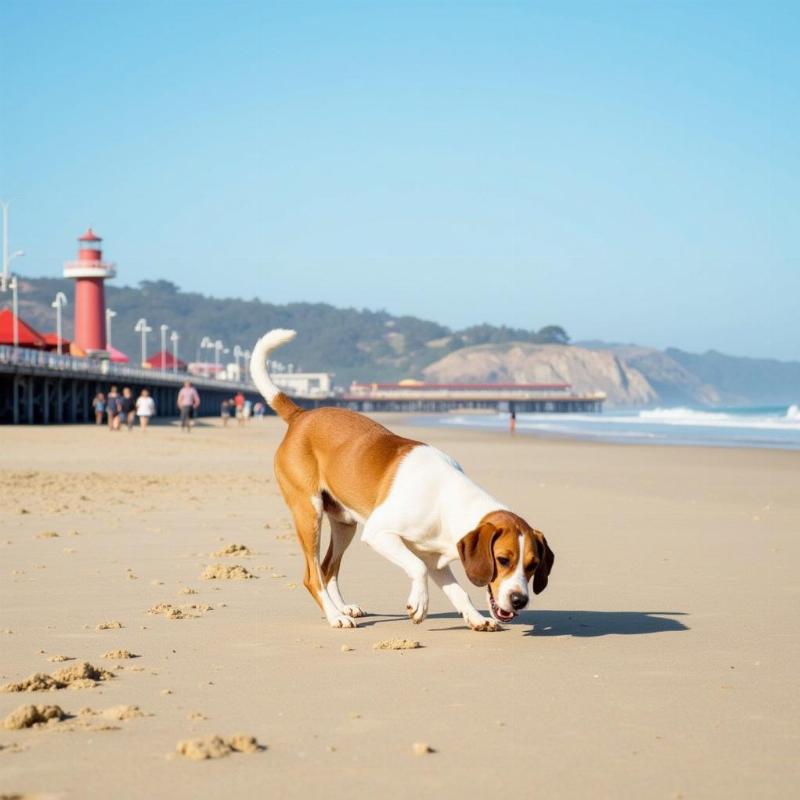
(356, 344)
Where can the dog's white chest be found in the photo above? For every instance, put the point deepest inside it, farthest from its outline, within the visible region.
(432, 503)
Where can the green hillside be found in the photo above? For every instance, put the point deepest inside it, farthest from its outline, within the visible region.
(356, 344)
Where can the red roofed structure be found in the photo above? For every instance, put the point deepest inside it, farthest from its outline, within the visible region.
(117, 356)
(166, 359)
(28, 337)
(51, 339)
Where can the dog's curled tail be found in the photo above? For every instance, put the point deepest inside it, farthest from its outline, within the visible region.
(283, 406)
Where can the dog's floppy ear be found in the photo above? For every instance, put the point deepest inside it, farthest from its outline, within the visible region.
(545, 564)
(475, 550)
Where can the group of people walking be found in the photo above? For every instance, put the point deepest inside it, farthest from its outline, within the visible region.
(122, 410)
(242, 407)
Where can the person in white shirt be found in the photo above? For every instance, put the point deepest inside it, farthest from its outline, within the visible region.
(145, 408)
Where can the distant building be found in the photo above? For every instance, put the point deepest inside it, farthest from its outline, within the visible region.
(164, 359)
(206, 369)
(419, 390)
(303, 384)
(417, 396)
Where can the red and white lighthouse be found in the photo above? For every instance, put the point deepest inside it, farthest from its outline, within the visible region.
(89, 272)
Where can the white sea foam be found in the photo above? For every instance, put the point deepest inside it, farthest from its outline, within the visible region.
(749, 427)
(720, 419)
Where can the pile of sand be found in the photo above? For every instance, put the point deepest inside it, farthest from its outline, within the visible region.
(60, 658)
(189, 611)
(396, 644)
(117, 654)
(47, 535)
(234, 550)
(78, 676)
(218, 747)
(109, 626)
(219, 572)
(28, 716)
(123, 712)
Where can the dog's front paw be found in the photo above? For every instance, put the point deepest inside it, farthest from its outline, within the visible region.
(354, 611)
(342, 621)
(417, 605)
(483, 624)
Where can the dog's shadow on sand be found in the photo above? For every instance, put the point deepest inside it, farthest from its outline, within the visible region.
(592, 623)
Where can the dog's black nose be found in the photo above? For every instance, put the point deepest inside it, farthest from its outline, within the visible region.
(518, 600)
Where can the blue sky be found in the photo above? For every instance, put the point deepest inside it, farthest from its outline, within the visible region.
(626, 169)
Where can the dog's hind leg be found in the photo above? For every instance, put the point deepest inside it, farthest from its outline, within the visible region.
(307, 513)
(341, 535)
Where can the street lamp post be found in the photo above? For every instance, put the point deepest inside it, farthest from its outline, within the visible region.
(247, 355)
(142, 327)
(237, 354)
(7, 280)
(164, 329)
(218, 345)
(206, 344)
(109, 316)
(4, 278)
(58, 303)
(173, 337)
(13, 285)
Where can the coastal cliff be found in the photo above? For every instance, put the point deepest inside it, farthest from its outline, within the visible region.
(630, 376)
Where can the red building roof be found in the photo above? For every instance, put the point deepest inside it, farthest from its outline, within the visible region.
(155, 361)
(117, 356)
(90, 236)
(51, 340)
(28, 337)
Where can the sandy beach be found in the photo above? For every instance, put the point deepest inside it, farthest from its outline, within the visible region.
(660, 662)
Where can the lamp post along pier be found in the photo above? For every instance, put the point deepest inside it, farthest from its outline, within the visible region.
(142, 327)
(173, 337)
(58, 303)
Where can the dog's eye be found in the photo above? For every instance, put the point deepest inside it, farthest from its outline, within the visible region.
(503, 561)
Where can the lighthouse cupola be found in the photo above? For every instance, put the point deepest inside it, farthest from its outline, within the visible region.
(90, 273)
(89, 247)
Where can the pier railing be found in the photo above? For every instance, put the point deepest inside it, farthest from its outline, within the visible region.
(25, 358)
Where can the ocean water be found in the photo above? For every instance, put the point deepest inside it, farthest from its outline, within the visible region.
(766, 426)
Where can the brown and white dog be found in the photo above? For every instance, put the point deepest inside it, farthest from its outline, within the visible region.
(417, 508)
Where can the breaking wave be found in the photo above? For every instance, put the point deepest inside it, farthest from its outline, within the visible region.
(718, 419)
(754, 427)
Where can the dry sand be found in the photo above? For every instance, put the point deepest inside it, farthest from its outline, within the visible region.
(660, 662)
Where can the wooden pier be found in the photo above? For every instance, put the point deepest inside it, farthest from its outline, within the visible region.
(416, 396)
(38, 387)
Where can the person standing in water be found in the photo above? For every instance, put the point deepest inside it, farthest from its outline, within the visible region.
(512, 422)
